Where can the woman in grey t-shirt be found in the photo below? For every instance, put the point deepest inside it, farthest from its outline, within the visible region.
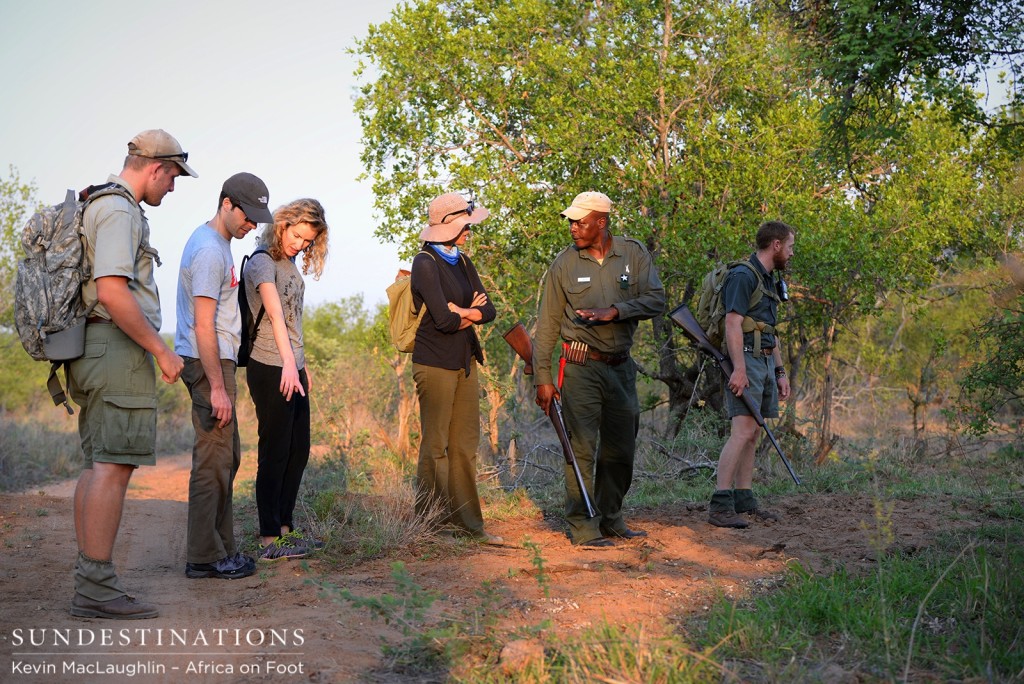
(276, 373)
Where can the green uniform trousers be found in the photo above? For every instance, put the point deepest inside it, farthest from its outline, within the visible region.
(449, 437)
(602, 415)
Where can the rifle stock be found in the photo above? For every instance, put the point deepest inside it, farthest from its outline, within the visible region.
(685, 320)
(519, 339)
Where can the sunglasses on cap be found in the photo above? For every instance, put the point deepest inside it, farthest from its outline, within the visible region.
(468, 211)
(176, 157)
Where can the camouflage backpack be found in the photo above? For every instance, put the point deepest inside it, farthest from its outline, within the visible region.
(48, 309)
(711, 308)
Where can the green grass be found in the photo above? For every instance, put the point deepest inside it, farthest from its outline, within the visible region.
(953, 611)
(35, 451)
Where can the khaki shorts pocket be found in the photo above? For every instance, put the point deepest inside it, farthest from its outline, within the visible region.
(129, 424)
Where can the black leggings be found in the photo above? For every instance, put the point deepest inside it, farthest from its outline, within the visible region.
(283, 446)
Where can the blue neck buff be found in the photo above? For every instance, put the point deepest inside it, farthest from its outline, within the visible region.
(449, 254)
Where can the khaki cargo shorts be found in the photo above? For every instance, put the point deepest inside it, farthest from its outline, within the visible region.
(763, 389)
(114, 383)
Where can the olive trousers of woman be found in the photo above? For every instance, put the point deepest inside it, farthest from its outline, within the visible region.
(449, 437)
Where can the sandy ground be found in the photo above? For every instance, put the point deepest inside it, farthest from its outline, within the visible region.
(276, 626)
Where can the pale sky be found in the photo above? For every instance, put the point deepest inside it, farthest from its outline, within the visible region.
(257, 85)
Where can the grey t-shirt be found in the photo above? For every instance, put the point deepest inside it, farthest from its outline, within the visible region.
(207, 270)
(285, 276)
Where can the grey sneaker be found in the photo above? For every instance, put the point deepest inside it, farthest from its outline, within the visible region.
(301, 538)
(122, 608)
(229, 567)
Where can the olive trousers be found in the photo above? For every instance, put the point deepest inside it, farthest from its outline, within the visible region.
(602, 415)
(449, 437)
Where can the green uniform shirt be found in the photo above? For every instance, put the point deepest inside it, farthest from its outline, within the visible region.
(626, 280)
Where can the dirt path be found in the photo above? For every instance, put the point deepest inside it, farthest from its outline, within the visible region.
(274, 625)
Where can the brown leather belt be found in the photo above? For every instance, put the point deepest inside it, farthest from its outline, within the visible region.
(765, 351)
(97, 319)
(610, 359)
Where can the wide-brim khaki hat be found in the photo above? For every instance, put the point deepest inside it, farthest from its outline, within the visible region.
(159, 144)
(586, 202)
(448, 215)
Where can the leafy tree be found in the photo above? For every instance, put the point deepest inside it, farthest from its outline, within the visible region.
(699, 119)
(872, 54)
(670, 108)
(16, 203)
(927, 209)
(992, 388)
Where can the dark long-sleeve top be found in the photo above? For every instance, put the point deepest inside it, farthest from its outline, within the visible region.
(435, 282)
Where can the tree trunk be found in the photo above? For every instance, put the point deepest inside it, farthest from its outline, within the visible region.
(825, 439)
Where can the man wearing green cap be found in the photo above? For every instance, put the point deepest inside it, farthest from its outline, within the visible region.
(113, 382)
(207, 336)
(595, 294)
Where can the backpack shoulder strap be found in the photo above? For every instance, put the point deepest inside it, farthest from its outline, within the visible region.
(241, 285)
(761, 290)
(96, 191)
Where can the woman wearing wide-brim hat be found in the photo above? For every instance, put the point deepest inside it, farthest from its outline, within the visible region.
(445, 359)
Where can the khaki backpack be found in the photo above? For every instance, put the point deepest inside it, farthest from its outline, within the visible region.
(403, 318)
(711, 307)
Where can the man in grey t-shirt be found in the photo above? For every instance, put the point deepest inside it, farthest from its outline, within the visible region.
(207, 338)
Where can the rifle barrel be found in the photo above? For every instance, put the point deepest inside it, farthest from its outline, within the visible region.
(570, 455)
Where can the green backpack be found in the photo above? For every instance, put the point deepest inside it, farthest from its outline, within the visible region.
(711, 308)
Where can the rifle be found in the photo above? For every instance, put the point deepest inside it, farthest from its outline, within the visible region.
(520, 341)
(682, 317)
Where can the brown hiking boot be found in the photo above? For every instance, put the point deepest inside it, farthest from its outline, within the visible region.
(763, 514)
(122, 608)
(727, 519)
(722, 510)
(747, 504)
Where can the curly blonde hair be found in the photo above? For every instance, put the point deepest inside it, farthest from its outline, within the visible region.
(305, 210)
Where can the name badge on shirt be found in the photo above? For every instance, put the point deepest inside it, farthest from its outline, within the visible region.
(583, 279)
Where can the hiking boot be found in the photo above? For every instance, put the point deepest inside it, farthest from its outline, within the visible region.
(722, 510)
(727, 519)
(489, 539)
(282, 548)
(624, 534)
(763, 514)
(122, 608)
(598, 542)
(229, 567)
(747, 504)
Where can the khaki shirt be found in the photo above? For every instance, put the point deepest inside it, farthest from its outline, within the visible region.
(117, 244)
(626, 279)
